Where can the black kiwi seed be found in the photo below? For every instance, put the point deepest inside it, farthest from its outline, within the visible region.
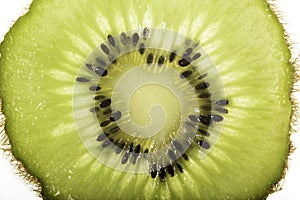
(204, 95)
(186, 74)
(206, 108)
(202, 86)
(203, 132)
(185, 157)
(82, 79)
(101, 137)
(124, 38)
(100, 71)
(172, 155)
(114, 129)
(222, 102)
(106, 143)
(146, 33)
(135, 39)
(217, 118)
(170, 170)
(104, 123)
(206, 120)
(101, 62)
(194, 118)
(89, 66)
(120, 148)
(202, 76)
(184, 61)
(116, 116)
(105, 103)
(149, 58)
(196, 56)
(137, 149)
(111, 40)
(222, 110)
(107, 112)
(187, 52)
(161, 60)
(95, 88)
(162, 173)
(153, 171)
(178, 146)
(142, 48)
(125, 157)
(104, 48)
(203, 144)
(136, 153)
(98, 97)
(146, 153)
(172, 56)
(179, 167)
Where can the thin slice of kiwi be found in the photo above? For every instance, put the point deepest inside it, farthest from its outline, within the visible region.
(149, 99)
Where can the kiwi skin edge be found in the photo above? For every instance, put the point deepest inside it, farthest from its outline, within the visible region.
(295, 62)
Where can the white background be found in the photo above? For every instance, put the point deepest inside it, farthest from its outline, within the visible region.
(12, 187)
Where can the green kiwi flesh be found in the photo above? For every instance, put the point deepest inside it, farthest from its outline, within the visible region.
(60, 116)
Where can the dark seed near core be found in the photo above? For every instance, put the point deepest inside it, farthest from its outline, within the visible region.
(98, 97)
(82, 79)
(104, 48)
(194, 118)
(115, 116)
(142, 48)
(203, 144)
(124, 38)
(101, 62)
(149, 58)
(185, 157)
(178, 146)
(172, 56)
(125, 158)
(114, 129)
(184, 61)
(94, 88)
(187, 52)
(217, 118)
(206, 120)
(222, 110)
(162, 173)
(196, 56)
(161, 60)
(101, 137)
(170, 170)
(204, 95)
(105, 103)
(135, 39)
(203, 132)
(105, 123)
(172, 155)
(179, 167)
(222, 102)
(153, 171)
(146, 33)
(186, 74)
(100, 71)
(202, 86)
(111, 40)
(106, 143)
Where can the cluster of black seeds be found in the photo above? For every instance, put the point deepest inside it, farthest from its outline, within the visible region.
(132, 151)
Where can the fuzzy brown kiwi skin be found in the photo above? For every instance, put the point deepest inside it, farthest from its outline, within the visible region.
(36, 185)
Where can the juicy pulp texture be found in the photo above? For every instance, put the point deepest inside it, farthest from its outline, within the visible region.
(40, 59)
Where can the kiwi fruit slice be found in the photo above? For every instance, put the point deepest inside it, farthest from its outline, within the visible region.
(149, 99)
